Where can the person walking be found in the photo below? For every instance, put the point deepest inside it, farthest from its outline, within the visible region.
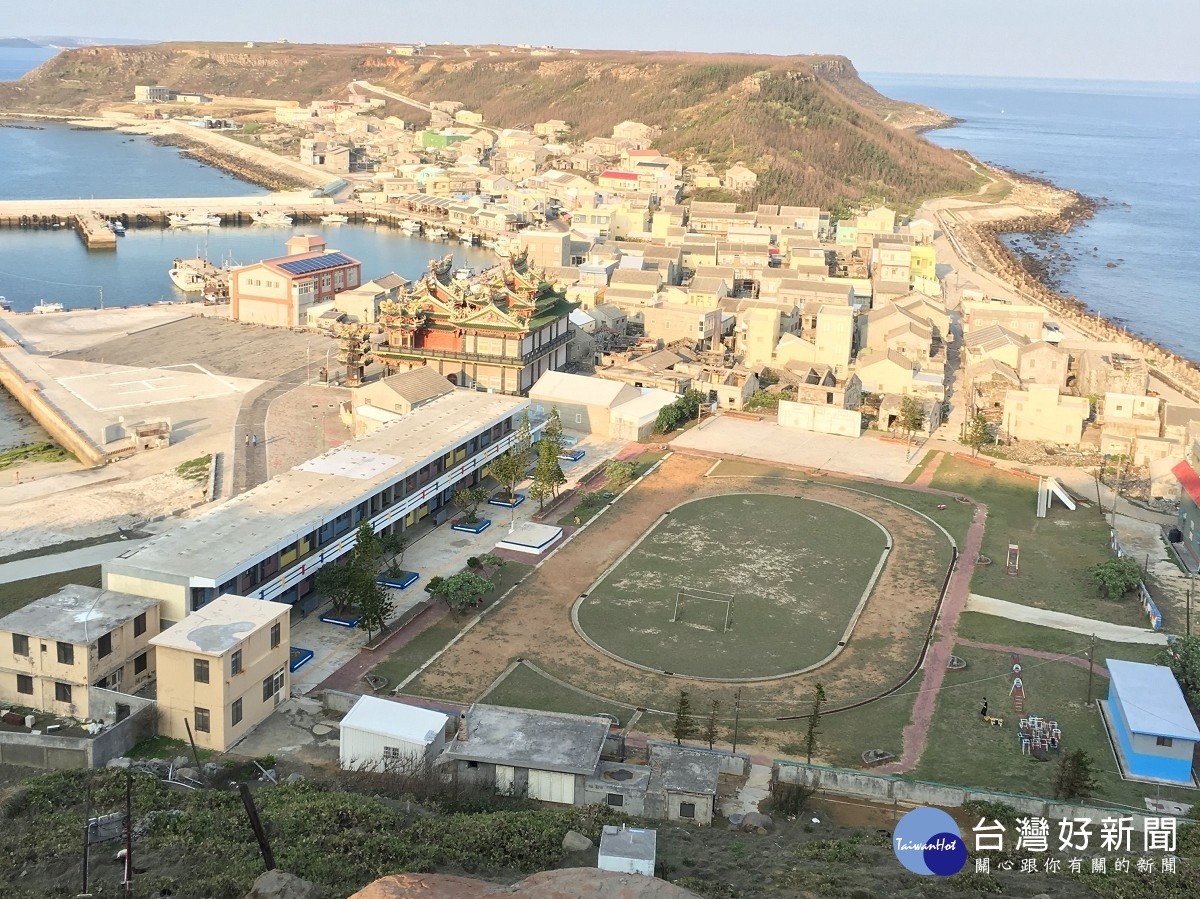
(254, 440)
(247, 440)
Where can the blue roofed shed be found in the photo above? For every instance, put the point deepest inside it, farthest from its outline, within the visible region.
(1155, 732)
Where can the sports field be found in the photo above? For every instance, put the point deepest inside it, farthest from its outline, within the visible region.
(736, 586)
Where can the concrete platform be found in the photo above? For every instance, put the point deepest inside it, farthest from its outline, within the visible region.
(531, 538)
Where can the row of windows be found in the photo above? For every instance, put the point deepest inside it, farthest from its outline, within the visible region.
(66, 651)
(200, 666)
(62, 692)
(202, 718)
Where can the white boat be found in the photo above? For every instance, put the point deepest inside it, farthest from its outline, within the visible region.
(335, 218)
(465, 273)
(270, 217)
(200, 276)
(5, 305)
(410, 226)
(371, 220)
(467, 237)
(437, 233)
(117, 227)
(43, 307)
(194, 220)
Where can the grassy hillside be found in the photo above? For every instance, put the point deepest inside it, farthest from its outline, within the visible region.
(807, 125)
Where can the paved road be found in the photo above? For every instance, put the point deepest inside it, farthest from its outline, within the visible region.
(1114, 633)
(68, 561)
(250, 462)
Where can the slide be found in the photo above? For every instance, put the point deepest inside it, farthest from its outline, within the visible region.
(1043, 502)
(1052, 486)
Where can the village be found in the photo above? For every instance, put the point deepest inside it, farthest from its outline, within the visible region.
(655, 326)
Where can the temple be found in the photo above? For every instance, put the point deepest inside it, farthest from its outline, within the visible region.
(499, 333)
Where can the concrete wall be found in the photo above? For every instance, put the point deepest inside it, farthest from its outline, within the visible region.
(882, 788)
(64, 432)
(823, 419)
(53, 752)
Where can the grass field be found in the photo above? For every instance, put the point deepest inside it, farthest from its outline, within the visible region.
(524, 688)
(1056, 551)
(18, 594)
(963, 751)
(994, 629)
(796, 569)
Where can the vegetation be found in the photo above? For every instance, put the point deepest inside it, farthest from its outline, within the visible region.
(548, 474)
(684, 725)
(911, 418)
(352, 583)
(762, 400)
(978, 433)
(1183, 658)
(195, 469)
(618, 476)
(814, 722)
(33, 452)
(1117, 576)
(467, 502)
(1076, 778)
(510, 466)
(680, 412)
(461, 591)
(711, 730)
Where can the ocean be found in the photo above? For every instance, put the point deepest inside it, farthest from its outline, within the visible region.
(16, 61)
(1134, 144)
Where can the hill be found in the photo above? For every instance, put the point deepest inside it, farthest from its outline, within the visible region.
(807, 125)
(9, 43)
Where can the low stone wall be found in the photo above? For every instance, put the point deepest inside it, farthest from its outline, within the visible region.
(58, 425)
(52, 752)
(339, 701)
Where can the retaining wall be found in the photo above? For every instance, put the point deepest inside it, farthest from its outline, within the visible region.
(53, 752)
(61, 428)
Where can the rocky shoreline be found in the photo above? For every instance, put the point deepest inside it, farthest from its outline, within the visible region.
(1031, 274)
(250, 172)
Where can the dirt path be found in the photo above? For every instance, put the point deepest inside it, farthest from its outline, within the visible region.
(916, 734)
(1034, 654)
(925, 479)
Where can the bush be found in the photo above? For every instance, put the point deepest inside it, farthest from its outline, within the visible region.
(1116, 577)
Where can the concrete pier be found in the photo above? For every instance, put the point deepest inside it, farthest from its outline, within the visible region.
(94, 232)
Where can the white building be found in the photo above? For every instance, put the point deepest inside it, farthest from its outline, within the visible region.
(628, 850)
(377, 733)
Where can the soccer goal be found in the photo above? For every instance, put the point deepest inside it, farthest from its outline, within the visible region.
(692, 600)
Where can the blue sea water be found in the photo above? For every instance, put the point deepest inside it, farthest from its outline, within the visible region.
(1136, 144)
(16, 61)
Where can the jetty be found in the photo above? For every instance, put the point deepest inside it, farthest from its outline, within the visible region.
(94, 232)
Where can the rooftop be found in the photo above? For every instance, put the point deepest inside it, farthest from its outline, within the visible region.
(628, 842)
(543, 741)
(395, 719)
(1151, 699)
(680, 769)
(561, 387)
(76, 614)
(310, 264)
(419, 385)
(221, 543)
(222, 624)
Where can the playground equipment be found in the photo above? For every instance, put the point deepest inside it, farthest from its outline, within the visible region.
(684, 597)
(1014, 558)
(1017, 690)
(992, 721)
(1039, 735)
(1048, 488)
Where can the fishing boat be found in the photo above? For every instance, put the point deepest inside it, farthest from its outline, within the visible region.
(271, 217)
(468, 238)
(410, 226)
(371, 220)
(465, 273)
(335, 218)
(191, 275)
(43, 307)
(194, 220)
(5, 305)
(437, 233)
(117, 227)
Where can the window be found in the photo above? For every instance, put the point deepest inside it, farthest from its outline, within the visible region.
(578, 418)
(616, 800)
(472, 764)
(20, 645)
(104, 646)
(236, 710)
(687, 810)
(273, 685)
(200, 670)
(275, 634)
(66, 653)
(391, 752)
(1164, 741)
(139, 625)
(235, 663)
(203, 723)
(24, 684)
(62, 692)
(139, 664)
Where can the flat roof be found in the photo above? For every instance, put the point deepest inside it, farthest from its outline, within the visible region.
(76, 614)
(1152, 701)
(682, 769)
(628, 842)
(223, 542)
(543, 741)
(222, 624)
(563, 387)
(395, 719)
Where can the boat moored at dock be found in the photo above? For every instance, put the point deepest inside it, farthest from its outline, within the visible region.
(194, 220)
(271, 217)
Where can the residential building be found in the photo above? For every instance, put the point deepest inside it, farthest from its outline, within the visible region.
(1041, 414)
(1021, 318)
(1156, 734)
(280, 291)
(887, 371)
(1110, 371)
(222, 670)
(891, 406)
(539, 755)
(739, 179)
(728, 387)
(892, 261)
(361, 304)
(672, 323)
(1043, 363)
(390, 398)
(53, 650)
(500, 336)
(380, 735)
(988, 383)
(995, 342)
(683, 783)
(1188, 516)
(584, 404)
(826, 338)
(270, 541)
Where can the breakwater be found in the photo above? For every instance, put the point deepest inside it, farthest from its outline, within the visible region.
(243, 169)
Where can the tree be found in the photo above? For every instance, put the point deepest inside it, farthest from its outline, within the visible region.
(351, 581)
(617, 476)
(393, 546)
(1116, 577)
(684, 725)
(912, 416)
(548, 472)
(510, 466)
(668, 419)
(1076, 777)
(541, 491)
(375, 607)
(710, 732)
(814, 718)
(467, 501)
(977, 433)
(552, 432)
(1183, 658)
(461, 591)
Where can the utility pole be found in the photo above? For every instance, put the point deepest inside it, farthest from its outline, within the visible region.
(128, 882)
(737, 714)
(1091, 666)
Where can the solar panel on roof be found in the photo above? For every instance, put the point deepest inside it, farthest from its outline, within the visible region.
(316, 264)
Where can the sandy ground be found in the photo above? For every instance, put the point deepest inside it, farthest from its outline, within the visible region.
(534, 623)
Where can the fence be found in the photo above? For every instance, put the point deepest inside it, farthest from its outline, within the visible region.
(1148, 603)
(886, 789)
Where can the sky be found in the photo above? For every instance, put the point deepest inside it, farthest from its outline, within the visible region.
(1151, 40)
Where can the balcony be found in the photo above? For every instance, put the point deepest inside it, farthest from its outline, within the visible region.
(471, 356)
